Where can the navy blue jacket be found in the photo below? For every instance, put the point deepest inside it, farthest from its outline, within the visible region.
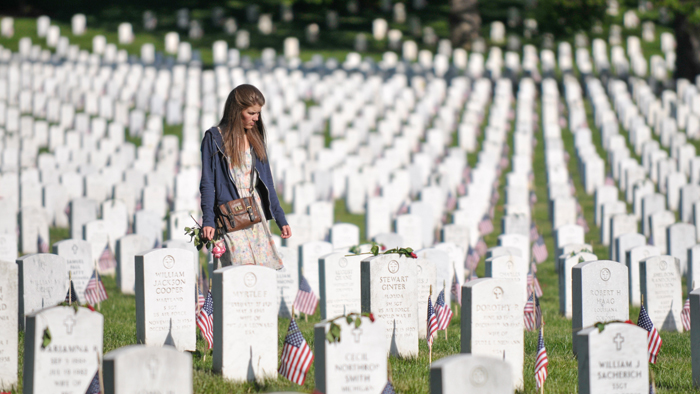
(217, 187)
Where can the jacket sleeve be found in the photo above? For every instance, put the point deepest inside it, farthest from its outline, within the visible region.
(277, 212)
(206, 185)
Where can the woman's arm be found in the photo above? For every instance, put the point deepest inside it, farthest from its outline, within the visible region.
(206, 185)
(277, 212)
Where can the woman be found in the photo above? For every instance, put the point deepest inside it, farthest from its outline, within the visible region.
(229, 152)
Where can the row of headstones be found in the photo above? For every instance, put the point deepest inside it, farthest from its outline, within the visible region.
(76, 335)
(640, 265)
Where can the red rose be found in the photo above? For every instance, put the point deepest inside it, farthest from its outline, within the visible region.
(371, 317)
(413, 255)
(383, 248)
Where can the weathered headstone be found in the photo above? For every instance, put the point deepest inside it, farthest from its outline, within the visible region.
(79, 263)
(8, 324)
(344, 235)
(42, 283)
(357, 363)
(491, 311)
(679, 238)
(467, 373)
(425, 282)
(613, 360)
(695, 334)
(512, 269)
(624, 243)
(634, 256)
(600, 293)
(389, 291)
(693, 275)
(82, 210)
(69, 362)
(287, 280)
(245, 322)
(128, 247)
(165, 307)
(8, 247)
(660, 285)
(619, 225)
(309, 253)
(565, 295)
(147, 369)
(339, 281)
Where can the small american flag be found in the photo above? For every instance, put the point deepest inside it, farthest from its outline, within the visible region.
(200, 299)
(66, 210)
(578, 207)
(444, 313)
(461, 189)
(538, 313)
(533, 198)
(107, 259)
(534, 234)
(472, 259)
(95, 291)
(456, 290)
(403, 208)
(467, 174)
(531, 175)
(685, 315)
(581, 221)
(539, 250)
(541, 362)
(296, 355)
(42, 245)
(388, 389)
(495, 196)
(451, 201)
(432, 323)
(492, 211)
(205, 320)
(94, 387)
(653, 338)
(485, 225)
(609, 181)
(572, 187)
(533, 283)
(71, 296)
(481, 247)
(306, 300)
(529, 314)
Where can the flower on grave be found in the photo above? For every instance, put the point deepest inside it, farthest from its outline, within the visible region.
(413, 255)
(371, 317)
(219, 249)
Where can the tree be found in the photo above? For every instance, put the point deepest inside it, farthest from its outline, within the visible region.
(465, 22)
(686, 24)
(567, 17)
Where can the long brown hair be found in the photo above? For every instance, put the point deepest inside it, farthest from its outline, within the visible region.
(231, 124)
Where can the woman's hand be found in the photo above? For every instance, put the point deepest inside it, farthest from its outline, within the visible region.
(208, 233)
(286, 231)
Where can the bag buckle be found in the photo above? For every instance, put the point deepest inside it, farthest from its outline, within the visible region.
(250, 213)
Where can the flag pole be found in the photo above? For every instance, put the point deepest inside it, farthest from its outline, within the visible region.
(430, 346)
(100, 378)
(97, 284)
(542, 332)
(443, 290)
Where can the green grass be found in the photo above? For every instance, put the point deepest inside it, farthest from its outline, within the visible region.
(672, 372)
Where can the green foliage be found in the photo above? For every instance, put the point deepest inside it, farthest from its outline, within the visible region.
(569, 16)
(333, 334)
(689, 8)
(46, 338)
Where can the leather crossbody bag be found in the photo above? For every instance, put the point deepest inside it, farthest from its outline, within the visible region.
(242, 213)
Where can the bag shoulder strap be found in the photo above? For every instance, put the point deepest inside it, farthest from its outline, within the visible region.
(252, 166)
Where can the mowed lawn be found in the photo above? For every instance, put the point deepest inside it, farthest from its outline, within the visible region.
(672, 373)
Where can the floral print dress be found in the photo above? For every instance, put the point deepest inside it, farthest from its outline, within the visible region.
(254, 245)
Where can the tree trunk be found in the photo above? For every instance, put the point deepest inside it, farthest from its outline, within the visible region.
(465, 22)
(687, 48)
